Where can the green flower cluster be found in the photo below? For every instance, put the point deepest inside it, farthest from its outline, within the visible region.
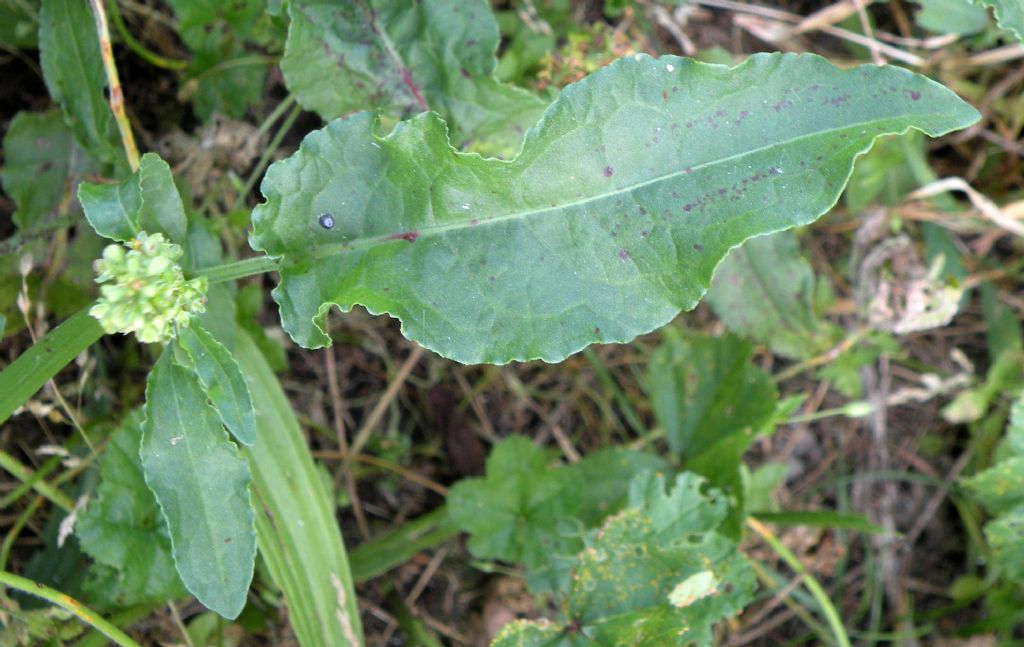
(146, 292)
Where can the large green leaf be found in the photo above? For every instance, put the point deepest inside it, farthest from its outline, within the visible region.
(40, 156)
(222, 380)
(765, 289)
(122, 529)
(147, 201)
(202, 485)
(407, 57)
(625, 197)
(69, 54)
(1009, 15)
(295, 523)
(656, 574)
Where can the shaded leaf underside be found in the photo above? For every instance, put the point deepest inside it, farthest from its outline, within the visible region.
(626, 195)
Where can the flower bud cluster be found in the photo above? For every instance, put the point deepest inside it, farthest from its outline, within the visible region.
(144, 290)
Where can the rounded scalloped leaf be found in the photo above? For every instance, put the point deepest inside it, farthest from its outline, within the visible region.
(625, 197)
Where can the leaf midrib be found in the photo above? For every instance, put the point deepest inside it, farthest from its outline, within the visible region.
(358, 244)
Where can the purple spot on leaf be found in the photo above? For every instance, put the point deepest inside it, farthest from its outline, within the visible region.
(407, 236)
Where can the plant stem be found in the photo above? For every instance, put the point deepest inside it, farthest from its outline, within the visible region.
(16, 528)
(830, 356)
(812, 584)
(124, 618)
(116, 95)
(275, 114)
(24, 474)
(51, 464)
(240, 269)
(269, 151)
(69, 604)
(136, 46)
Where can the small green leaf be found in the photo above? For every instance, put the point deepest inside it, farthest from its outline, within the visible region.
(223, 381)
(1009, 15)
(625, 197)
(656, 574)
(708, 396)
(19, 24)
(514, 512)
(712, 402)
(759, 486)
(962, 17)
(607, 473)
(1002, 325)
(403, 58)
(765, 289)
(40, 157)
(147, 201)
(884, 174)
(1000, 489)
(202, 486)
(1005, 535)
(69, 54)
(162, 209)
(123, 530)
(224, 76)
(112, 209)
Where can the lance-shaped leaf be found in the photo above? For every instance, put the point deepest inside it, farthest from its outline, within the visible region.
(69, 54)
(222, 380)
(202, 485)
(625, 197)
(406, 57)
(298, 536)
